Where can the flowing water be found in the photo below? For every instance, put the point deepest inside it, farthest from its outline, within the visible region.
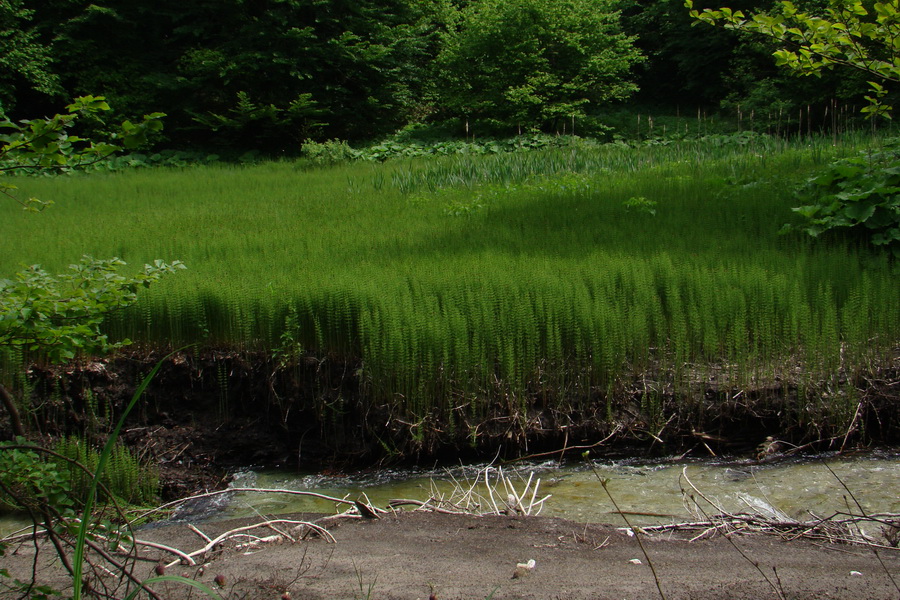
(647, 492)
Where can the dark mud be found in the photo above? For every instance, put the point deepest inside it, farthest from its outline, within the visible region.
(206, 413)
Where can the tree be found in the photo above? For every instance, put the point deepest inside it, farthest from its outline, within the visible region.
(847, 34)
(685, 66)
(690, 68)
(47, 145)
(24, 61)
(859, 195)
(534, 62)
(239, 75)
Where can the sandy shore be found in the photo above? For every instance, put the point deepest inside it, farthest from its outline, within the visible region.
(413, 555)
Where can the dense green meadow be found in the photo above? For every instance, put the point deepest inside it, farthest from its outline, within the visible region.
(547, 280)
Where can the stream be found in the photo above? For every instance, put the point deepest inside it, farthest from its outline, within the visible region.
(648, 492)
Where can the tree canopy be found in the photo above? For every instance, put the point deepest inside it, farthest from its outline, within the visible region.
(848, 33)
(238, 75)
(534, 62)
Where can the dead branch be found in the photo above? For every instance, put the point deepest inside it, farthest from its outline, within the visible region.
(426, 505)
(220, 540)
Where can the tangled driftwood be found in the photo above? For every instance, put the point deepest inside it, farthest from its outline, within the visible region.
(837, 528)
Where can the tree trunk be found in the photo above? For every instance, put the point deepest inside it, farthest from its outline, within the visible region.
(14, 419)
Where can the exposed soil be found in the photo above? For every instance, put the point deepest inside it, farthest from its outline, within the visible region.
(413, 555)
(206, 413)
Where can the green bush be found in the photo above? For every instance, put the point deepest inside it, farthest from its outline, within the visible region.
(860, 194)
(31, 479)
(27, 481)
(328, 152)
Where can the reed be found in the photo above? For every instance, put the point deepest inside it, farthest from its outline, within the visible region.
(546, 285)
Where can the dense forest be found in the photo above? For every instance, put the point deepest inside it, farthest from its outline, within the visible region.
(238, 75)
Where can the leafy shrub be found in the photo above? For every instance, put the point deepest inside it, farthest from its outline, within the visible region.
(27, 481)
(328, 152)
(31, 479)
(401, 146)
(860, 194)
(163, 158)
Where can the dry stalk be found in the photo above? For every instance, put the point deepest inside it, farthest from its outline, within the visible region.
(218, 541)
(635, 532)
(501, 497)
(838, 528)
(863, 512)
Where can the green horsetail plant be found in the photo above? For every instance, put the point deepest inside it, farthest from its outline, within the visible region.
(556, 293)
(125, 476)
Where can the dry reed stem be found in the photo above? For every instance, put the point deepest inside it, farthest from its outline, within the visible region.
(833, 529)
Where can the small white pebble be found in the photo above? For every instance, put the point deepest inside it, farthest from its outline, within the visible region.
(635, 561)
(856, 573)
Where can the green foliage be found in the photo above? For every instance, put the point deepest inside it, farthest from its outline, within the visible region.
(39, 146)
(125, 477)
(58, 317)
(708, 69)
(850, 33)
(685, 67)
(641, 204)
(164, 158)
(860, 194)
(23, 58)
(231, 72)
(328, 152)
(566, 156)
(531, 63)
(29, 481)
(60, 491)
(32, 479)
(337, 151)
(266, 123)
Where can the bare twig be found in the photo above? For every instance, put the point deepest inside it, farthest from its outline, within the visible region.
(241, 531)
(604, 483)
(566, 448)
(776, 585)
(863, 512)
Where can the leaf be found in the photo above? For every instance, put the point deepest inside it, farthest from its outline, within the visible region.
(807, 211)
(859, 211)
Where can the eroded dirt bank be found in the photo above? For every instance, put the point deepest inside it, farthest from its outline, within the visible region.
(210, 411)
